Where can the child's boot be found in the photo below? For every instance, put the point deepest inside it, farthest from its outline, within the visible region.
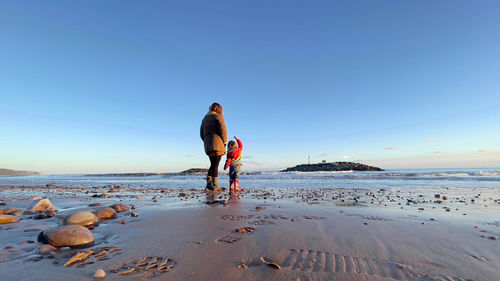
(231, 185)
(236, 185)
(209, 186)
(216, 186)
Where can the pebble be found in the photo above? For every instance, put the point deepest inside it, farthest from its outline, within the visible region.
(8, 219)
(46, 249)
(120, 207)
(134, 214)
(96, 205)
(99, 274)
(294, 220)
(493, 238)
(106, 213)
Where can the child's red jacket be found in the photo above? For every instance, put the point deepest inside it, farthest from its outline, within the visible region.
(234, 156)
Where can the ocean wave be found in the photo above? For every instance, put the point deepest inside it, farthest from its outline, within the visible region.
(447, 175)
(489, 173)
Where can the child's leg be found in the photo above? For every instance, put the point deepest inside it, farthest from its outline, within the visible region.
(231, 177)
(237, 178)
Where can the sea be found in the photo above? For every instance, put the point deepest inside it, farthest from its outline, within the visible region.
(417, 178)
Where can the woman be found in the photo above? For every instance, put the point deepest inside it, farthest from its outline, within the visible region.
(214, 135)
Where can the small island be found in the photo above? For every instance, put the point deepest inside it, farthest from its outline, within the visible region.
(11, 173)
(195, 171)
(333, 166)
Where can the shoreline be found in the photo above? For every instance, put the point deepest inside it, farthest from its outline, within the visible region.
(320, 234)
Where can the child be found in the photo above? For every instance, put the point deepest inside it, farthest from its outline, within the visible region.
(234, 162)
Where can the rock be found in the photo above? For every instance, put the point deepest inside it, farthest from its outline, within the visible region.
(8, 219)
(106, 213)
(437, 196)
(182, 194)
(67, 236)
(99, 274)
(45, 215)
(81, 218)
(134, 214)
(11, 210)
(493, 238)
(445, 197)
(36, 198)
(46, 249)
(104, 195)
(2, 203)
(41, 205)
(120, 207)
(1, 211)
(18, 213)
(96, 205)
(138, 197)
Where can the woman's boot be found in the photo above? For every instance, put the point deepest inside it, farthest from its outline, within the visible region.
(216, 186)
(209, 186)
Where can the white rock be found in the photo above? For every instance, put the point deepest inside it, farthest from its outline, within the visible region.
(41, 205)
(99, 274)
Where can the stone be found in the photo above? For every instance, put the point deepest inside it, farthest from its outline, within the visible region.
(11, 210)
(18, 213)
(182, 194)
(41, 205)
(2, 203)
(46, 249)
(96, 205)
(106, 213)
(67, 236)
(8, 219)
(120, 207)
(36, 198)
(81, 218)
(99, 274)
(134, 214)
(45, 215)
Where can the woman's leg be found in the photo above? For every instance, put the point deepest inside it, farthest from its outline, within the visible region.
(214, 166)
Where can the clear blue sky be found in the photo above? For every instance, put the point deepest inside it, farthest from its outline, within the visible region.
(118, 86)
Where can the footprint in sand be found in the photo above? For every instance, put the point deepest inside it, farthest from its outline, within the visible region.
(145, 267)
(228, 239)
(319, 261)
(313, 218)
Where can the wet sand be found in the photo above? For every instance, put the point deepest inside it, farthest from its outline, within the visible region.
(290, 234)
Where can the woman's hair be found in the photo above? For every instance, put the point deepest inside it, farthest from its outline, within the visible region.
(231, 145)
(216, 107)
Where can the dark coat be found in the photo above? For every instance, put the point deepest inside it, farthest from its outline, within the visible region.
(213, 133)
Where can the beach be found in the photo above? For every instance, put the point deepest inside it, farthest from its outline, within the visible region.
(262, 234)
